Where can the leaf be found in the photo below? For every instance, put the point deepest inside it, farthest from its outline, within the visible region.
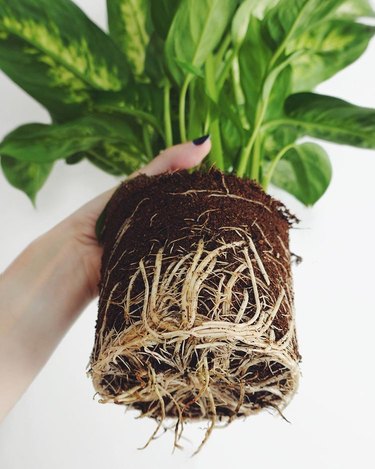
(256, 52)
(27, 176)
(289, 18)
(331, 119)
(57, 55)
(116, 158)
(130, 26)
(329, 47)
(41, 143)
(162, 14)
(355, 9)
(196, 30)
(241, 20)
(305, 172)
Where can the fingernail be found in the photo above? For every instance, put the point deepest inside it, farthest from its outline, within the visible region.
(201, 140)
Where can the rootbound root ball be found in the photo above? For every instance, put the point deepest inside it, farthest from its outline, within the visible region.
(196, 316)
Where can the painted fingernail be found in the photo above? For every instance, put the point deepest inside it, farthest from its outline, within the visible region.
(201, 140)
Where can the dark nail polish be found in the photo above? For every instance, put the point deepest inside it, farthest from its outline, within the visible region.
(201, 140)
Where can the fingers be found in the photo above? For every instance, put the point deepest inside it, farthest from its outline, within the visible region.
(182, 156)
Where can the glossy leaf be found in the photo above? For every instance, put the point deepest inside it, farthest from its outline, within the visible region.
(130, 26)
(355, 9)
(332, 119)
(290, 18)
(305, 172)
(162, 14)
(27, 176)
(328, 48)
(116, 157)
(196, 30)
(41, 143)
(241, 20)
(56, 54)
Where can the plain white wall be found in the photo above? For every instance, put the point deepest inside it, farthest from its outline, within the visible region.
(58, 425)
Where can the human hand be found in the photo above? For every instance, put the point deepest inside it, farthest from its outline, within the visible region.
(83, 221)
(52, 280)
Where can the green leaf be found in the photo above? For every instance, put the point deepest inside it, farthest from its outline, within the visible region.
(241, 20)
(116, 158)
(329, 47)
(27, 176)
(289, 18)
(56, 54)
(41, 143)
(256, 52)
(355, 9)
(196, 30)
(162, 14)
(331, 119)
(305, 172)
(130, 26)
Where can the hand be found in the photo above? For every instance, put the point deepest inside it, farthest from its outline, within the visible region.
(48, 285)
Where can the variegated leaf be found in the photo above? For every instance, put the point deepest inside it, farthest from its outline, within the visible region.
(41, 143)
(56, 54)
(27, 176)
(129, 26)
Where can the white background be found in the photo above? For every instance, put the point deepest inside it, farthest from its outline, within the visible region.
(58, 425)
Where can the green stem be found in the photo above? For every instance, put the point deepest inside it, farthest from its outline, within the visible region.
(147, 142)
(255, 162)
(245, 154)
(167, 115)
(223, 48)
(238, 93)
(182, 104)
(217, 148)
(227, 68)
(268, 176)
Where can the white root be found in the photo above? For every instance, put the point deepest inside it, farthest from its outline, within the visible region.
(203, 335)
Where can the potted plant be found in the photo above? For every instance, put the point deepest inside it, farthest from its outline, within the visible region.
(196, 317)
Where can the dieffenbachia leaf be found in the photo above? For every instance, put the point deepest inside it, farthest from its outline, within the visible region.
(162, 14)
(241, 20)
(56, 54)
(305, 172)
(328, 48)
(331, 119)
(196, 30)
(116, 157)
(27, 176)
(41, 143)
(129, 26)
(290, 18)
(355, 9)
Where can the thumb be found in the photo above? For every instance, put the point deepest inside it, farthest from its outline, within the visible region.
(182, 156)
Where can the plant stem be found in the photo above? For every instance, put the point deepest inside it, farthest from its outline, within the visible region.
(217, 148)
(255, 162)
(268, 176)
(167, 115)
(237, 91)
(182, 103)
(245, 154)
(147, 142)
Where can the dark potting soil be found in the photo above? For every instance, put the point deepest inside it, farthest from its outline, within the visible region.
(175, 211)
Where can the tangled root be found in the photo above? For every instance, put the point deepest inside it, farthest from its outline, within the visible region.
(208, 334)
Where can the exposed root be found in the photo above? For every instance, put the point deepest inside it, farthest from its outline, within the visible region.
(209, 334)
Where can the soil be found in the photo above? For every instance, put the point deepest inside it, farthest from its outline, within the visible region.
(175, 213)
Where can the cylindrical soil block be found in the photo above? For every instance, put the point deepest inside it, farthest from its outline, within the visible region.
(196, 316)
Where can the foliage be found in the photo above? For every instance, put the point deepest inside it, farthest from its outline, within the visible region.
(170, 70)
